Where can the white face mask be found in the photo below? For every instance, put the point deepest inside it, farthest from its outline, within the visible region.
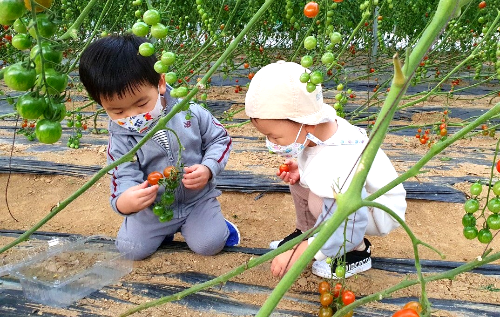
(292, 150)
(141, 122)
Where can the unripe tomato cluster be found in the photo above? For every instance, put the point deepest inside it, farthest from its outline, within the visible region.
(333, 299)
(491, 221)
(170, 180)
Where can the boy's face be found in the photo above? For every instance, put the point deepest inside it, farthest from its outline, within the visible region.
(281, 132)
(130, 104)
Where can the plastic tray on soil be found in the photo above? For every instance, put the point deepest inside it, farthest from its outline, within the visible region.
(60, 276)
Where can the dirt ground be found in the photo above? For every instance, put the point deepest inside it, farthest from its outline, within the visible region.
(30, 198)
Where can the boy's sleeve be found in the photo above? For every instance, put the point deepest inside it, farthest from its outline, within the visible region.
(124, 175)
(354, 229)
(216, 142)
(381, 173)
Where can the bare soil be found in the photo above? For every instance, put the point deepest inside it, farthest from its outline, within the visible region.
(31, 197)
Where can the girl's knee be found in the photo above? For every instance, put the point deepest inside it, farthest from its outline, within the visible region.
(134, 251)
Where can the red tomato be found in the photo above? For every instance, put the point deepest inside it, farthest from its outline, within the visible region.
(324, 287)
(246, 65)
(482, 4)
(416, 306)
(154, 177)
(408, 312)
(337, 289)
(250, 76)
(498, 166)
(326, 299)
(284, 168)
(311, 9)
(170, 171)
(348, 297)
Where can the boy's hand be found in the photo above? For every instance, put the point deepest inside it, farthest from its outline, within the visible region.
(292, 176)
(279, 265)
(196, 176)
(136, 198)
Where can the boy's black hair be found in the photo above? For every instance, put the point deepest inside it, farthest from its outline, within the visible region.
(112, 66)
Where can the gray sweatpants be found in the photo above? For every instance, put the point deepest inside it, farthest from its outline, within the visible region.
(204, 230)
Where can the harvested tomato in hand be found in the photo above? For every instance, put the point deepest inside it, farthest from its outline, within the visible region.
(284, 168)
(154, 178)
(170, 170)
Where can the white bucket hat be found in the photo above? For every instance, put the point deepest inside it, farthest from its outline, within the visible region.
(276, 92)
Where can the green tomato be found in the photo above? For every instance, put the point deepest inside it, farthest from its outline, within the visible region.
(138, 14)
(45, 26)
(310, 87)
(158, 210)
(146, 49)
(335, 37)
(50, 55)
(47, 131)
(159, 31)
(56, 111)
(485, 236)
(475, 189)
(20, 78)
(170, 77)
(168, 198)
(340, 87)
(160, 67)
(304, 77)
(182, 92)
(203, 96)
(21, 41)
(56, 82)
(310, 42)
(340, 271)
(468, 220)
(471, 206)
(19, 26)
(327, 58)
(496, 188)
(306, 61)
(494, 205)
(30, 106)
(10, 10)
(316, 77)
(78, 123)
(166, 216)
(470, 232)
(140, 29)
(493, 221)
(151, 17)
(168, 58)
(69, 124)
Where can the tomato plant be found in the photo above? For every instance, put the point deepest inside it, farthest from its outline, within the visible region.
(154, 178)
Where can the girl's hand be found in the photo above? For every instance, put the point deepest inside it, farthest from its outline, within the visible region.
(292, 176)
(196, 176)
(137, 198)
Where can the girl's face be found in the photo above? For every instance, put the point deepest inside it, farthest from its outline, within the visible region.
(281, 132)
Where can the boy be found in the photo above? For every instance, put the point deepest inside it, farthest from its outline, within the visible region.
(134, 96)
(297, 124)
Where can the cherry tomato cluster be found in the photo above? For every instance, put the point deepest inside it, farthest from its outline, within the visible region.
(491, 221)
(170, 180)
(333, 299)
(440, 130)
(28, 130)
(75, 121)
(410, 309)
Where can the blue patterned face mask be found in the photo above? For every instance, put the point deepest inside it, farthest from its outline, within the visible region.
(141, 122)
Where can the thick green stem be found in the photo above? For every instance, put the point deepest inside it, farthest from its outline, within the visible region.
(74, 27)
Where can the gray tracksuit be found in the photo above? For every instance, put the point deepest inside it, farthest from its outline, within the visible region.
(197, 213)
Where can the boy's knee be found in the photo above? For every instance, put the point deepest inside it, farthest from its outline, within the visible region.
(133, 251)
(207, 247)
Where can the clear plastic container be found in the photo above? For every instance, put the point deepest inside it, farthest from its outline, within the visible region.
(62, 276)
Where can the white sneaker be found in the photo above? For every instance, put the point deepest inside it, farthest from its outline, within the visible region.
(356, 262)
